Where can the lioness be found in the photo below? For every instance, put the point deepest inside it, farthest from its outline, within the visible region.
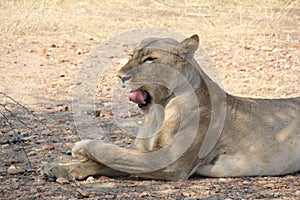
(182, 134)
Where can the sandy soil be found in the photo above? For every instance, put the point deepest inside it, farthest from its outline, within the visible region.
(45, 44)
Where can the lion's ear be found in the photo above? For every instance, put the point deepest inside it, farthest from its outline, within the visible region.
(195, 37)
(187, 47)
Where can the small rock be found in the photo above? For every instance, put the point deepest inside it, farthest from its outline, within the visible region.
(297, 193)
(207, 192)
(107, 104)
(14, 170)
(90, 111)
(61, 121)
(40, 141)
(144, 194)
(69, 144)
(96, 113)
(109, 196)
(79, 51)
(286, 66)
(3, 131)
(16, 148)
(282, 60)
(63, 108)
(186, 194)
(20, 40)
(5, 146)
(48, 106)
(47, 147)
(222, 179)
(12, 161)
(69, 152)
(102, 178)
(265, 48)
(62, 59)
(31, 153)
(46, 132)
(270, 185)
(90, 179)
(83, 193)
(31, 50)
(29, 138)
(62, 180)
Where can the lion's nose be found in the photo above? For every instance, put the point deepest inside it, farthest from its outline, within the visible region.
(124, 78)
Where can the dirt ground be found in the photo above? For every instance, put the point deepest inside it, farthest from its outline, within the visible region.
(44, 45)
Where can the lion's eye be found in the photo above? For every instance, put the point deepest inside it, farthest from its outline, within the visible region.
(149, 60)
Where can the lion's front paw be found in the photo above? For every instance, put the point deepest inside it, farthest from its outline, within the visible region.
(54, 170)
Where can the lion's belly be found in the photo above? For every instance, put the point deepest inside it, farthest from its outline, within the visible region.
(260, 137)
(280, 159)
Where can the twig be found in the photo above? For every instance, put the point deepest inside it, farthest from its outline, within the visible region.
(18, 140)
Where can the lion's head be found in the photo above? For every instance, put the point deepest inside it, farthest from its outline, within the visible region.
(155, 68)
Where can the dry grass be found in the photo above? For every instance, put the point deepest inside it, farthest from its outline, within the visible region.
(239, 35)
(231, 20)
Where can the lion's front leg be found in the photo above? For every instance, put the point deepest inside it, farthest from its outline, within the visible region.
(80, 170)
(76, 171)
(156, 165)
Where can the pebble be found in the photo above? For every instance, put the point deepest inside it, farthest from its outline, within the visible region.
(48, 106)
(62, 59)
(5, 146)
(69, 144)
(103, 178)
(96, 113)
(79, 51)
(40, 141)
(90, 179)
(47, 147)
(83, 193)
(31, 153)
(68, 152)
(109, 196)
(270, 185)
(107, 104)
(144, 194)
(29, 138)
(62, 180)
(46, 132)
(186, 194)
(14, 170)
(20, 40)
(297, 193)
(63, 108)
(265, 48)
(31, 50)
(222, 179)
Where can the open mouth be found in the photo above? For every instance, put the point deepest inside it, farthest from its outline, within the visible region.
(140, 97)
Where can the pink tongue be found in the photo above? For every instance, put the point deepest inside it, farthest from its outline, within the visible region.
(137, 96)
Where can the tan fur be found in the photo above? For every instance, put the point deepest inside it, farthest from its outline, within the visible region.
(257, 136)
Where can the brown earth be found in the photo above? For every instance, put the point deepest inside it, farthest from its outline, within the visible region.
(44, 44)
